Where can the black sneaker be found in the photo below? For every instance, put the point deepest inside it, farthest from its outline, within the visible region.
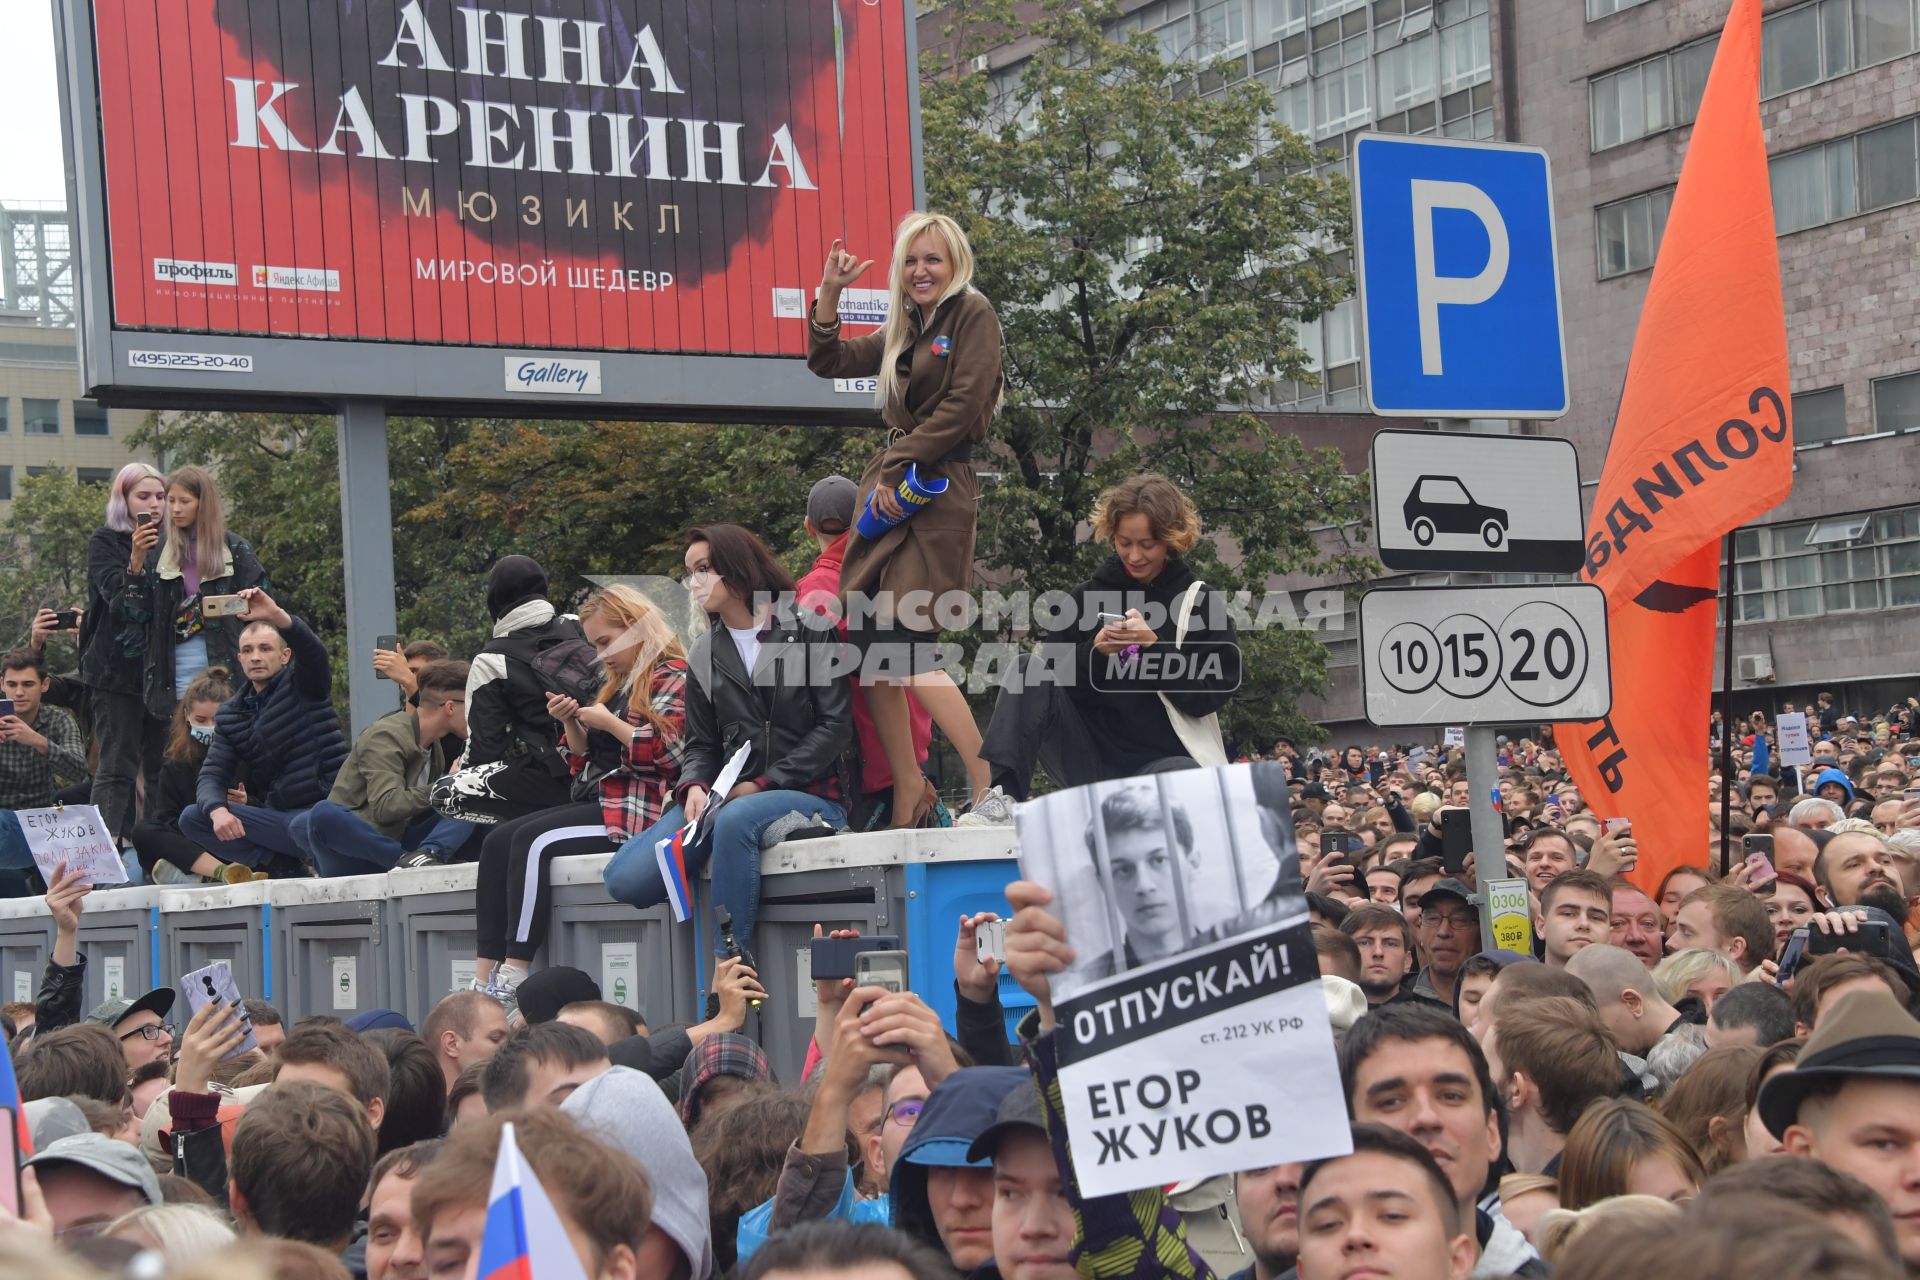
(422, 857)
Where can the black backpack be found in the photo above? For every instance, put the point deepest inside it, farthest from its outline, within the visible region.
(570, 667)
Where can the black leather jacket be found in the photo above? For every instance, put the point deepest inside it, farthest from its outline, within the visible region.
(797, 710)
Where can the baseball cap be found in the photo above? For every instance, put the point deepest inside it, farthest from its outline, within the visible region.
(1020, 1109)
(1866, 1036)
(111, 1013)
(112, 1159)
(830, 503)
(378, 1020)
(1315, 791)
(1451, 888)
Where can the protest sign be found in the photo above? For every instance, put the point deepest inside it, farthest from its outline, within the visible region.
(1195, 986)
(1795, 749)
(76, 835)
(1454, 735)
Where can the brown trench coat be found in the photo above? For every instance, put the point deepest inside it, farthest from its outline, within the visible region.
(948, 405)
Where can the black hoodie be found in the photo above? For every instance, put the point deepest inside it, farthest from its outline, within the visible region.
(1131, 726)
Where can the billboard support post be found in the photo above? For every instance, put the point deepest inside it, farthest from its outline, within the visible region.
(366, 543)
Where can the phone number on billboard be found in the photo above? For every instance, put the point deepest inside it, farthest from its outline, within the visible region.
(190, 360)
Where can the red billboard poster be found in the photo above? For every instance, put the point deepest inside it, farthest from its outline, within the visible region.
(623, 175)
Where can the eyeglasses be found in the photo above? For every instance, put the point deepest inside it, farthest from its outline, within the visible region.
(1463, 921)
(152, 1031)
(698, 571)
(906, 1111)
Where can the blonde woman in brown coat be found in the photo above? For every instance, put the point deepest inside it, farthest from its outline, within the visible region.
(937, 361)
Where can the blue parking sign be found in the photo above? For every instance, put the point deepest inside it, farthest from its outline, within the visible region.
(1459, 279)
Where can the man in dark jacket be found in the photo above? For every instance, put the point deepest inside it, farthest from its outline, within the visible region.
(282, 727)
(513, 765)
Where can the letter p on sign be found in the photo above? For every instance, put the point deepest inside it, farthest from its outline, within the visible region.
(1432, 290)
(1459, 279)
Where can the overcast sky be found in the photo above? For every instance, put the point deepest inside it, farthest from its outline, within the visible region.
(31, 167)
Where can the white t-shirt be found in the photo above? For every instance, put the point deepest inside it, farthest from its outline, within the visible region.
(747, 641)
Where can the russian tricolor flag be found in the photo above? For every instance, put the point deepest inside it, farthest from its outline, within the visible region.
(524, 1239)
(10, 1097)
(672, 853)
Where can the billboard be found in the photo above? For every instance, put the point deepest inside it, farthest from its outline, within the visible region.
(278, 193)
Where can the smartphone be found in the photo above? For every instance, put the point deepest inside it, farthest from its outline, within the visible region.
(10, 1152)
(1911, 794)
(1760, 869)
(990, 941)
(884, 969)
(1617, 824)
(214, 985)
(145, 518)
(386, 644)
(1794, 954)
(1456, 839)
(1332, 842)
(66, 619)
(833, 958)
(1112, 620)
(222, 606)
(1758, 844)
(6, 706)
(1873, 938)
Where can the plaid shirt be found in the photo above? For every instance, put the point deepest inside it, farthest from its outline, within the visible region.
(28, 779)
(633, 797)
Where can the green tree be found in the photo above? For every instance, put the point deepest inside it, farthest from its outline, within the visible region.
(609, 498)
(1149, 248)
(43, 554)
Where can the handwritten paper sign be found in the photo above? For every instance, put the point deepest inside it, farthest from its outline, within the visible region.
(76, 835)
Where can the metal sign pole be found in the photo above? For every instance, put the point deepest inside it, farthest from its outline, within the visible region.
(366, 543)
(1489, 831)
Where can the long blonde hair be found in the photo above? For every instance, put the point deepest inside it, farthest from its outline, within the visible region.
(208, 546)
(646, 629)
(898, 332)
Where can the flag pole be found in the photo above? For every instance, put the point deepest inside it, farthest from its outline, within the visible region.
(1726, 716)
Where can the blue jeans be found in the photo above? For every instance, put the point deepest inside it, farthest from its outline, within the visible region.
(189, 661)
(269, 831)
(633, 876)
(342, 843)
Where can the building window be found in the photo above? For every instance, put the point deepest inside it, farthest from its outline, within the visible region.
(94, 475)
(1837, 564)
(1340, 76)
(1407, 74)
(1819, 416)
(1597, 9)
(3, 415)
(89, 419)
(1223, 28)
(6, 483)
(1627, 232)
(1466, 49)
(1649, 97)
(42, 417)
(1273, 19)
(40, 471)
(1818, 41)
(1896, 403)
(1838, 179)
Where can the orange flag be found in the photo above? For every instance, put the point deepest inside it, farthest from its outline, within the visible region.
(1702, 444)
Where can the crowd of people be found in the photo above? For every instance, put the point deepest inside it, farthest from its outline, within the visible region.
(1707, 1076)
(1713, 1078)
